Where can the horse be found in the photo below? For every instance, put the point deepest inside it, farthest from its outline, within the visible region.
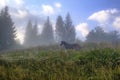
(70, 46)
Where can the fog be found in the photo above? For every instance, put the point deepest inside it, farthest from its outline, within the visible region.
(34, 30)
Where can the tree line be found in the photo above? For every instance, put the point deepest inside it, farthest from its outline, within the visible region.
(64, 31)
(98, 35)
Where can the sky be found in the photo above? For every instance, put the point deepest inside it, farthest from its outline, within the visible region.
(85, 14)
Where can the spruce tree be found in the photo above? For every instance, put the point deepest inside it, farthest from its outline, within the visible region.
(35, 35)
(70, 34)
(31, 35)
(60, 29)
(28, 39)
(47, 35)
(7, 30)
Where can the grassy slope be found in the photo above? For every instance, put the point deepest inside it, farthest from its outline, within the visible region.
(41, 64)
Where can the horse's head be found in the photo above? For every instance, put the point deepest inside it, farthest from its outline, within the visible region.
(62, 43)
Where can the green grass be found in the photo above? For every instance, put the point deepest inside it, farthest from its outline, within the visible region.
(41, 64)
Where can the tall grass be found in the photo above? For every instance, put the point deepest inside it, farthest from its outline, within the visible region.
(37, 64)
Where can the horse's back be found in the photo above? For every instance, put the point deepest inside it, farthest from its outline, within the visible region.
(77, 46)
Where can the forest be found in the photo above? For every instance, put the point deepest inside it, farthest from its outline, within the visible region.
(64, 31)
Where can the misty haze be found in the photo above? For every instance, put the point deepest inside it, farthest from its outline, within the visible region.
(59, 40)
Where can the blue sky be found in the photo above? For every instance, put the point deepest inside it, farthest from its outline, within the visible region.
(86, 14)
(79, 9)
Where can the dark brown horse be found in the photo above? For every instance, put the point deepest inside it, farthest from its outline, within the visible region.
(70, 46)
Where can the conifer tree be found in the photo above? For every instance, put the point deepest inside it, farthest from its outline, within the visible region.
(60, 29)
(47, 34)
(7, 30)
(28, 34)
(35, 35)
(70, 34)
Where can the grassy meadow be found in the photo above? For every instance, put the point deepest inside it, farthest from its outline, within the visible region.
(60, 64)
